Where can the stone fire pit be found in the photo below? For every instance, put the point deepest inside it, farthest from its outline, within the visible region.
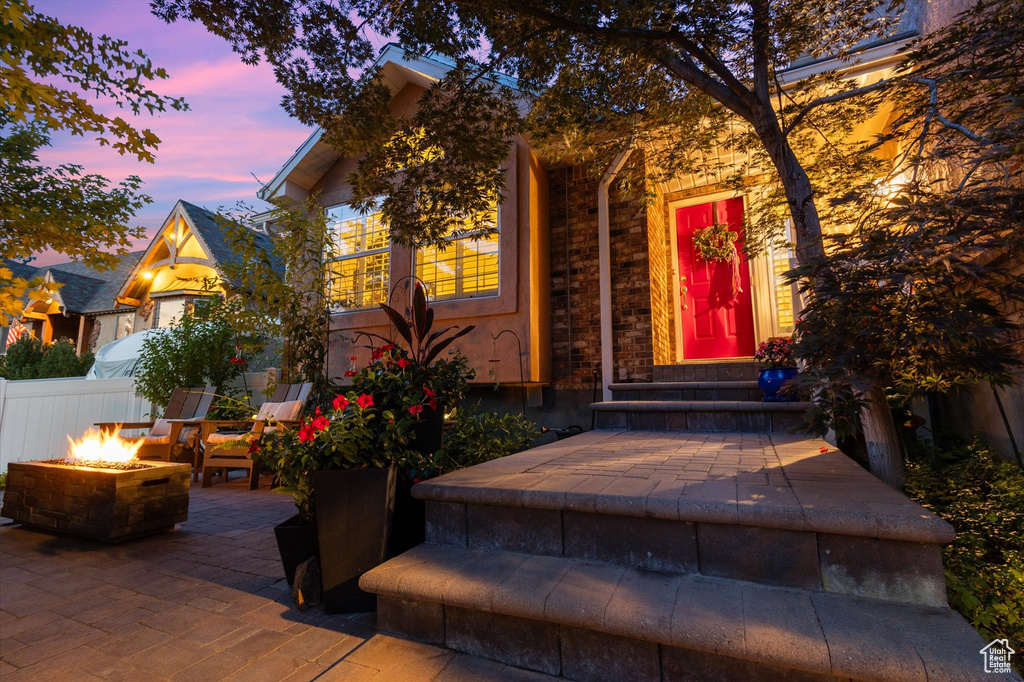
(112, 502)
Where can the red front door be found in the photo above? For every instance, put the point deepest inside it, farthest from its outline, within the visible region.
(717, 314)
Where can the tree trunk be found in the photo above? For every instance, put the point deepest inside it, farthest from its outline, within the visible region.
(885, 454)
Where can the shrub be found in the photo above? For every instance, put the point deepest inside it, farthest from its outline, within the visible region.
(29, 358)
(202, 349)
(983, 499)
(477, 437)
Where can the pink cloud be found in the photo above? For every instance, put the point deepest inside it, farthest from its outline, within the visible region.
(208, 155)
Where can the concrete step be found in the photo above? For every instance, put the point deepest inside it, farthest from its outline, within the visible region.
(712, 370)
(731, 391)
(590, 620)
(764, 509)
(741, 416)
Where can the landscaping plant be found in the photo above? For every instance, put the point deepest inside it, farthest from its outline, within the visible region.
(475, 437)
(30, 358)
(198, 350)
(382, 419)
(983, 498)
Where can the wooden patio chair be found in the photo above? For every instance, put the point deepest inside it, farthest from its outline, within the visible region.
(226, 443)
(175, 435)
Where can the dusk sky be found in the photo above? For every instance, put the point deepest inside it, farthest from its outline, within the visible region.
(235, 128)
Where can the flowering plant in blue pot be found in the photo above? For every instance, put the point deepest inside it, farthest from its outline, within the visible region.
(779, 366)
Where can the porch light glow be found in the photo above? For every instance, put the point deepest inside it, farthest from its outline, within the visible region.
(147, 274)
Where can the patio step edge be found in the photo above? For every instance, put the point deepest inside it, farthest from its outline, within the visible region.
(824, 634)
(699, 406)
(681, 385)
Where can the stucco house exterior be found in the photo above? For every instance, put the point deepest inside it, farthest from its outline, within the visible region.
(590, 280)
(600, 288)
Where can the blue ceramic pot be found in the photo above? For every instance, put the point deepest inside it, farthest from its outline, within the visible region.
(771, 380)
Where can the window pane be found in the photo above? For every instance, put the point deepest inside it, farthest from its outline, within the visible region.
(783, 292)
(464, 268)
(357, 281)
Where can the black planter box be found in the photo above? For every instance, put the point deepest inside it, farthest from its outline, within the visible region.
(296, 542)
(409, 527)
(354, 509)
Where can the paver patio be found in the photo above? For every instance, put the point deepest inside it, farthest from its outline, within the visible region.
(207, 601)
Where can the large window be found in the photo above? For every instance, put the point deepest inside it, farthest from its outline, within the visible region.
(360, 260)
(466, 266)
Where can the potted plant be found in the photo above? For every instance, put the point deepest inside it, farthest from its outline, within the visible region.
(778, 367)
(400, 373)
(343, 465)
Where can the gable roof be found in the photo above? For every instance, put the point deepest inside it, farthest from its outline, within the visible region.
(314, 157)
(86, 290)
(203, 226)
(212, 235)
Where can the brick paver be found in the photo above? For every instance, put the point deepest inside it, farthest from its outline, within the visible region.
(207, 601)
(766, 480)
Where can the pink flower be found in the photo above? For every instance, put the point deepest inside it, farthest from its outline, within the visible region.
(415, 409)
(365, 401)
(321, 423)
(340, 402)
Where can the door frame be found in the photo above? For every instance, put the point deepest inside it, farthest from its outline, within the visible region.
(762, 306)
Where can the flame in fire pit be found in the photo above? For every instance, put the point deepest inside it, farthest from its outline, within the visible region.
(96, 446)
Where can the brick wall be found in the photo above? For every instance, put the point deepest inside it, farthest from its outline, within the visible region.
(636, 232)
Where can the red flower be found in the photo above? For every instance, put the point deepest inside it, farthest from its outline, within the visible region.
(402, 362)
(340, 402)
(415, 409)
(306, 433)
(237, 361)
(317, 412)
(433, 404)
(352, 358)
(381, 350)
(430, 394)
(255, 447)
(321, 423)
(823, 450)
(350, 373)
(365, 401)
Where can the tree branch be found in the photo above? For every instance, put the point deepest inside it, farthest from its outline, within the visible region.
(838, 97)
(729, 81)
(933, 101)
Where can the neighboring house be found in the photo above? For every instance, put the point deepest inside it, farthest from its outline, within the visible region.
(82, 307)
(147, 289)
(599, 287)
(184, 261)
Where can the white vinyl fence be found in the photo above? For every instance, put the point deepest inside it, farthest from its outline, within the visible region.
(37, 416)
